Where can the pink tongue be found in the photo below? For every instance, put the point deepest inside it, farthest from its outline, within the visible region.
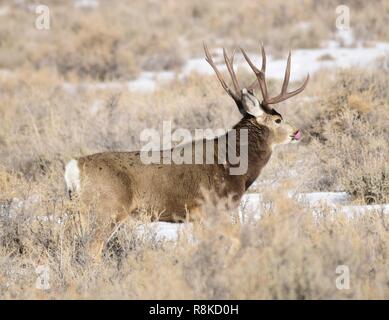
(297, 135)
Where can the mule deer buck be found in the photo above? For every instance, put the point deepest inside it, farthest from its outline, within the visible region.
(119, 184)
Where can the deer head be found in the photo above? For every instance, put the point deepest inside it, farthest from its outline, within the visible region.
(249, 105)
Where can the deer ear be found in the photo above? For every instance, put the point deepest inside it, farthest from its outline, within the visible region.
(251, 104)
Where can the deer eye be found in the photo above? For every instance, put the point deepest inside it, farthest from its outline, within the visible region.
(278, 120)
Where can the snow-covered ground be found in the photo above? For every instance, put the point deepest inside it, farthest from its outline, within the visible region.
(164, 231)
(251, 208)
(86, 4)
(303, 61)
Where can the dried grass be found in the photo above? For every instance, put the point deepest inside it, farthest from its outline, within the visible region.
(290, 253)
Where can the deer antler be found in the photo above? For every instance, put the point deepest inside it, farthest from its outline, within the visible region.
(262, 80)
(229, 63)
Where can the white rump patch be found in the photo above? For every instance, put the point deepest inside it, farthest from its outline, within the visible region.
(72, 176)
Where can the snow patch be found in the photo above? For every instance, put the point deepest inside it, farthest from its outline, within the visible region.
(163, 231)
(354, 211)
(251, 206)
(148, 81)
(86, 4)
(319, 198)
(345, 38)
(4, 11)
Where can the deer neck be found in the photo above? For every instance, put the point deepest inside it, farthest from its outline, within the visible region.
(259, 148)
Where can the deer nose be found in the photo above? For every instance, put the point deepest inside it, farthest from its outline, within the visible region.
(297, 135)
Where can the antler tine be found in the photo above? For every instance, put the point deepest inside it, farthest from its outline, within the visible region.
(263, 67)
(287, 76)
(230, 66)
(262, 80)
(288, 95)
(284, 93)
(219, 76)
(259, 73)
(252, 85)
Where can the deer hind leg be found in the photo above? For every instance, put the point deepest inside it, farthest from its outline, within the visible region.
(104, 235)
(105, 200)
(99, 229)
